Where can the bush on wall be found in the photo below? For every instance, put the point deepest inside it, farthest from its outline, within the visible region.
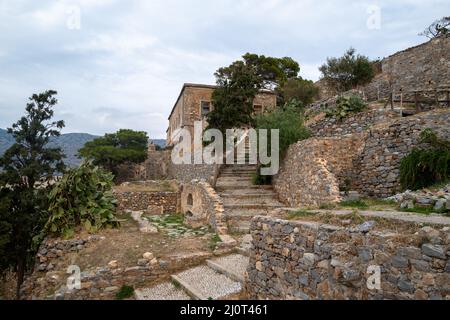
(425, 167)
(83, 198)
(346, 105)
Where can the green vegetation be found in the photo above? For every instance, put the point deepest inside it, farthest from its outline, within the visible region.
(84, 198)
(125, 292)
(260, 180)
(348, 71)
(289, 120)
(425, 167)
(173, 225)
(300, 214)
(27, 168)
(215, 239)
(298, 89)
(360, 204)
(346, 105)
(112, 150)
(240, 82)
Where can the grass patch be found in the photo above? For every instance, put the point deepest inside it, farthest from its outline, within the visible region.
(215, 239)
(125, 292)
(425, 210)
(360, 204)
(300, 214)
(176, 284)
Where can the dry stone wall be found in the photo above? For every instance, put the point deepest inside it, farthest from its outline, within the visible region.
(425, 66)
(314, 169)
(309, 260)
(356, 123)
(49, 279)
(201, 205)
(378, 164)
(153, 202)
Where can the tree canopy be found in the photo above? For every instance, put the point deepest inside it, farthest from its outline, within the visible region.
(347, 72)
(240, 82)
(303, 91)
(112, 150)
(28, 168)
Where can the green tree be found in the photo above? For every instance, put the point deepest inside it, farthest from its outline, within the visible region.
(274, 72)
(28, 167)
(440, 27)
(348, 71)
(240, 82)
(238, 85)
(303, 91)
(112, 150)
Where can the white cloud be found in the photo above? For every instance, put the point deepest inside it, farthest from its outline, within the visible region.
(126, 64)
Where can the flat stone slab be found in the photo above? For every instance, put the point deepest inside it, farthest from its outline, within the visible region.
(163, 291)
(204, 283)
(233, 266)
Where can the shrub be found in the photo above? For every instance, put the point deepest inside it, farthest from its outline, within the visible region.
(346, 105)
(125, 292)
(84, 198)
(425, 167)
(347, 72)
(289, 120)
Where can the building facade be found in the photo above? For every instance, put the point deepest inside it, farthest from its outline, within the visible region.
(194, 103)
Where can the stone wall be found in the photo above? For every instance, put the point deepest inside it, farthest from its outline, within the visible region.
(356, 123)
(154, 202)
(314, 169)
(311, 260)
(201, 205)
(425, 66)
(378, 164)
(49, 278)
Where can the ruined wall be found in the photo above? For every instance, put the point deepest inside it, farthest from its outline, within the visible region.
(201, 205)
(378, 164)
(153, 202)
(49, 278)
(356, 123)
(309, 260)
(421, 67)
(313, 170)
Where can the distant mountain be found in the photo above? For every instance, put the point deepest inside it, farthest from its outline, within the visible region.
(70, 143)
(159, 142)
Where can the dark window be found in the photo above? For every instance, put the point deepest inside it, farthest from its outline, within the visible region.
(258, 109)
(206, 107)
(190, 200)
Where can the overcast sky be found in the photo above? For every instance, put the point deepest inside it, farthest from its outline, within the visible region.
(121, 63)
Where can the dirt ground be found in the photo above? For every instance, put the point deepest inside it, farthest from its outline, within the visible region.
(126, 245)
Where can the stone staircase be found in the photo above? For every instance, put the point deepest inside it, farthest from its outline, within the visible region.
(242, 199)
(220, 278)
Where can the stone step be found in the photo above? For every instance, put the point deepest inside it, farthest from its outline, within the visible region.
(254, 206)
(233, 184)
(204, 283)
(244, 192)
(233, 266)
(239, 226)
(234, 178)
(248, 175)
(264, 200)
(163, 291)
(229, 188)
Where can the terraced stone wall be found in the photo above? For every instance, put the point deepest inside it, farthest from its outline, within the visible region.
(311, 260)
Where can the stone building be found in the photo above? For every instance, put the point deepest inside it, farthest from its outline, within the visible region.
(194, 103)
